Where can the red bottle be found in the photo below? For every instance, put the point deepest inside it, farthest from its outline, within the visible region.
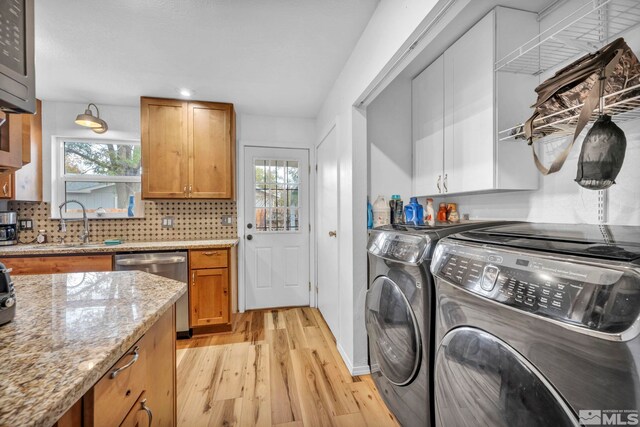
(442, 212)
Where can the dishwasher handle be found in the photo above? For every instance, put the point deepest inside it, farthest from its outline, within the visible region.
(150, 261)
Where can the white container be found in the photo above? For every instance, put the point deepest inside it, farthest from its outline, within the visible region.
(381, 212)
(430, 215)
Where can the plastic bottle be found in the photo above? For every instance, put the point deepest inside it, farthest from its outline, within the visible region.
(369, 215)
(430, 216)
(442, 212)
(397, 209)
(381, 212)
(414, 213)
(131, 206)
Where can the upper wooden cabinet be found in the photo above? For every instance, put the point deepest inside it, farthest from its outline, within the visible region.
(460, 102)
(188, 149)
(25, 184)
(11, 141)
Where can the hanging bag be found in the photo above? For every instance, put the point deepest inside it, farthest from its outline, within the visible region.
(611, 69)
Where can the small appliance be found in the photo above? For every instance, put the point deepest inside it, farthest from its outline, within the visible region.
(8, 228)
(7, 296)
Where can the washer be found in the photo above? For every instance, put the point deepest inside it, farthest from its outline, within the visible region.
(537, 324)
(399, 315)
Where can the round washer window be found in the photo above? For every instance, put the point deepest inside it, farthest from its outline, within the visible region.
(393, 331)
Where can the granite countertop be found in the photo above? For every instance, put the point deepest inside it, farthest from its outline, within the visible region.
(58, 249)
(68, 331)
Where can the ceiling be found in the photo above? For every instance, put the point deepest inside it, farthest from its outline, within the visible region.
(277, 57)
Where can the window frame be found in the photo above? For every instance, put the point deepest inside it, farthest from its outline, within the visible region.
(59, 178)
(255, 184)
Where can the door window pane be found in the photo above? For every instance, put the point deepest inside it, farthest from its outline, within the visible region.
(276, 195)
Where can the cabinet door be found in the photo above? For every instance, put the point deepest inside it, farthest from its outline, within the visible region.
(428, 129)
(209, 297)
(11, 141)
(469, 135)
(165, 160)
(210, 150)
(160, 346)
(28, 179)
(6, 186)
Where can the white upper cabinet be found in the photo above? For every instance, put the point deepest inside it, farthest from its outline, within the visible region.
(428, 129)
(459, 103)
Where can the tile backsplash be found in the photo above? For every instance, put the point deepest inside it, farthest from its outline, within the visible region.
(193, 220)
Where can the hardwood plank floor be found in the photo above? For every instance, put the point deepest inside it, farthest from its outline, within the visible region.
(277, 368)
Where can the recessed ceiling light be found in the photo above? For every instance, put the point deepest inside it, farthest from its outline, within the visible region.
(186, 92)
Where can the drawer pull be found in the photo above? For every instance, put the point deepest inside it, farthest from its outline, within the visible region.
(143, 405)
(210, 253)
(133, 360)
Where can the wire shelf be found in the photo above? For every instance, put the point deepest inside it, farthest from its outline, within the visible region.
(587, 29)
(563, 122)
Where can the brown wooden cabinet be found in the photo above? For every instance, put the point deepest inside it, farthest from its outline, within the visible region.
(188, 149)
(25, 184)
(11, 141)
(210, 290)
(58, 264)
(144, 384)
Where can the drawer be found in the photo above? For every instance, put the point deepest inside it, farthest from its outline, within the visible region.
(140, 415)
(117, 392)
(209, 258)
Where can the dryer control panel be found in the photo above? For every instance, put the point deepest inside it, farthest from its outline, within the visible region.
(590, 296)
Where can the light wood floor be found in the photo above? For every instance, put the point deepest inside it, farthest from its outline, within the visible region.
(278, 367)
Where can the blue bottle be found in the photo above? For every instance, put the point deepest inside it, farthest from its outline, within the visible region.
(131, 206)
(414, 212)
(369, 215)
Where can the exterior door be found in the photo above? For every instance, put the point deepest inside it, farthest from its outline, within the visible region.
(327, 231)
(276, 223)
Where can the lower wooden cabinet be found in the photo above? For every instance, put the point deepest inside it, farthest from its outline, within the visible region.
(209, 289)
(59, 264)
(139, 388)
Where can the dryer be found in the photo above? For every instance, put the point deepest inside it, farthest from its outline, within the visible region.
(399, 315)
(538, 324)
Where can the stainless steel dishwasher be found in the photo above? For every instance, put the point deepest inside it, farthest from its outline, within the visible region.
(172, 265)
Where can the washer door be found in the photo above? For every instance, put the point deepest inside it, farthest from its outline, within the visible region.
(393, 331)
(480, 380)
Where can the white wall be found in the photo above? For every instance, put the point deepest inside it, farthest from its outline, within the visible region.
(388, 30)
(389, 142)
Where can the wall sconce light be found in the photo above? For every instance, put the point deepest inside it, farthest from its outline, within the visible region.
(95, 123)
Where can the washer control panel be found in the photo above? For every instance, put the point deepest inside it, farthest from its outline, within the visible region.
(596, 297)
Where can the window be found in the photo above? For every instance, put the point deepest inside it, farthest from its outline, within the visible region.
(103, 175)
(276, 195)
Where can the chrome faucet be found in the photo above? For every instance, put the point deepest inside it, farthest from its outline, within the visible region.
(84, 236)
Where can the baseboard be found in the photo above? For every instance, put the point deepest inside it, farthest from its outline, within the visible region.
(354, 370)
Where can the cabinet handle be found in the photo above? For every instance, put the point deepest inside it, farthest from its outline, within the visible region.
(438, 183)
(185, 190)
(444, 183)
(143, 405)
(5, 189)
(190, 189)
(135, 354)
(210, 253)
(193, 278)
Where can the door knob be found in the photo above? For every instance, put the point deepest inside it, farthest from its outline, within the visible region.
(332, 234)
(249, 237)
(249, 226)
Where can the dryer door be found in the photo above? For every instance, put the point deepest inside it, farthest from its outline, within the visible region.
(393, 331)
(480, 380)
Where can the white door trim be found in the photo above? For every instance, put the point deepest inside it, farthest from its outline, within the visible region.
(240, 208)
(333, 125)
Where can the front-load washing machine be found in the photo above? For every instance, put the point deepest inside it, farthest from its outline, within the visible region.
(537, 325)
(399, 315)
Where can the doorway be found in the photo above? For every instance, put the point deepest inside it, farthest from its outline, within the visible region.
(276, 221)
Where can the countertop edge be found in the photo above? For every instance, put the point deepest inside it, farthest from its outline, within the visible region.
(17, 251)
(58, 409)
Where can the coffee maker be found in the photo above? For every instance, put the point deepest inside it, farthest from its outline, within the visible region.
(8, 228)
